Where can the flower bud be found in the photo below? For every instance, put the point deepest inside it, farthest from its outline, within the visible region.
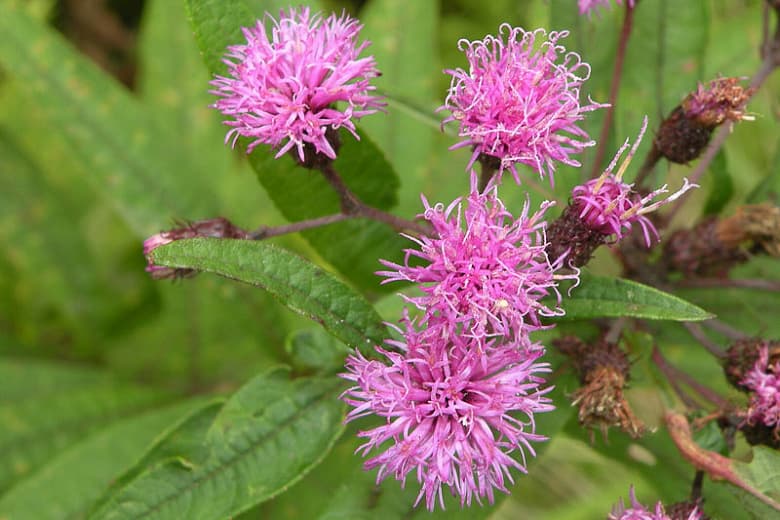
(216, 228)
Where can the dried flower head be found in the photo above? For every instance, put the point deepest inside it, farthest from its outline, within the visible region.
(604, 370)
(611, 207)
(454, 412)
(686, 131)
(587, 6)
(519, 102)
(763, 380)
(485, 271)
(216, 228)
(639, 512)
(284, 88)
(724, 99)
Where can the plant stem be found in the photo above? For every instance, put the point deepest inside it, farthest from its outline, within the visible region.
(487, 171)
(673, 373)
(652, 158)
(617, 73)
(698, 333)
(352, 206)
(264, 232)
(771, 60)
(725, 330)
(668, 371)
(743, 283)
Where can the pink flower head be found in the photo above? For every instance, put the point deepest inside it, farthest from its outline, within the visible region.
(520, 100)
(638, 512)
(285, 87)
(763, 381)
(610, 206)
(485, 271)
(587, 6)
(453, 416)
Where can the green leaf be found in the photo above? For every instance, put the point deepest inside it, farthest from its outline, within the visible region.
(174, 85)
(32, 430)
(299, 284)
(664, 61)
(721, 185)
(127, 155)
(602, 296)
(769, 186)
(99, 459)
(762, 474)
(352, 247)
(199, 322)
(265, 438)
(217, 24)
(403, 42)
(22, 379)
(315, 349)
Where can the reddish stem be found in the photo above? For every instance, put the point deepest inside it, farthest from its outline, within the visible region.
(698, 333)
(264, 232)
(352, 206)
(617, 73)
(740, 283)
(675, 376)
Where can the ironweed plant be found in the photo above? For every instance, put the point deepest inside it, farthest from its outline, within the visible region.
(530, 250)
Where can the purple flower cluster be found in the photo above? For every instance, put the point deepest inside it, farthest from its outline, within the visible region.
(452, 389)
(610, 206)
(587, 6)
(519, 102)
(451, 405)
(284, 88)
(485, 272)
(763, 380)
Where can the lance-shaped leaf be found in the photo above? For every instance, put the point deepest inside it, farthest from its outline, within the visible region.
(603, 296)
(34, 428)
(99, 459)
(299, 284)
(222, 462)
(353, 246)
(121, 148)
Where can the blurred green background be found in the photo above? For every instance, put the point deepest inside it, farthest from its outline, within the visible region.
(107, 139)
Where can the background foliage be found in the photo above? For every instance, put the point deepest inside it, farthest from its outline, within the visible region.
(117, 390)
